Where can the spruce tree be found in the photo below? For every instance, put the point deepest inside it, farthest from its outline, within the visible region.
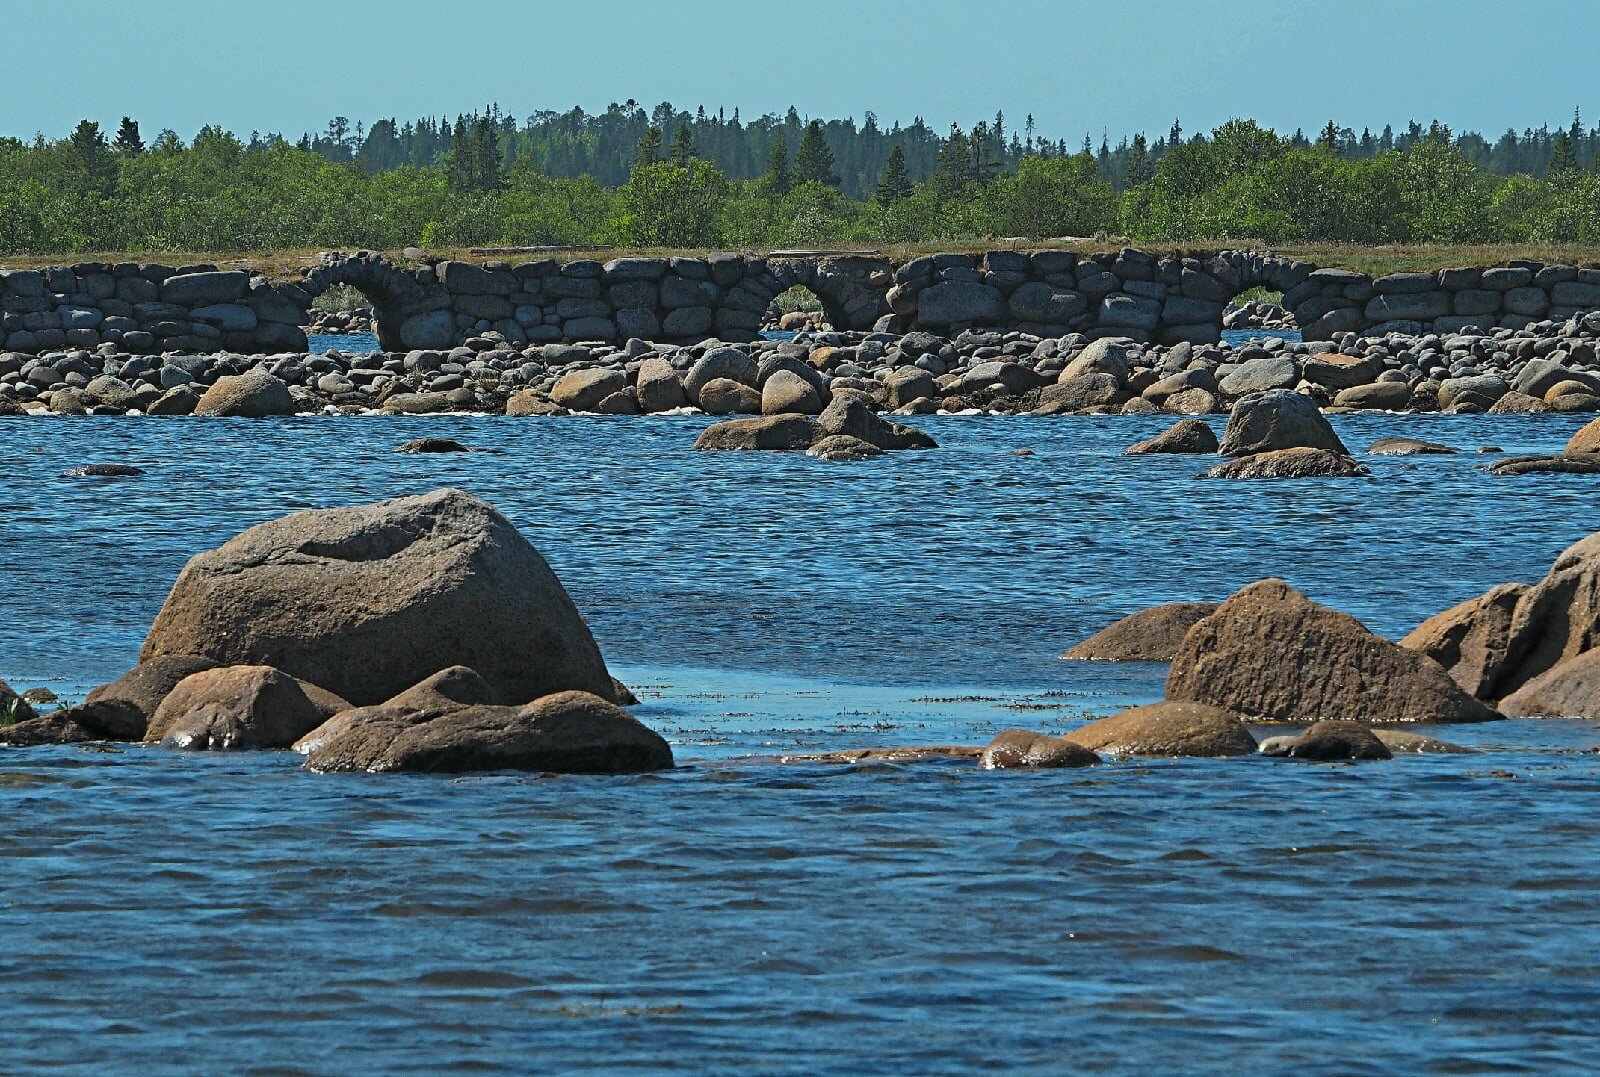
(682, 151)
(1563, 161)
(778, 180)
(649, 148)
(1329, 139)
(1140, 169)
(896, 184)
(813, 162)
(128, 140)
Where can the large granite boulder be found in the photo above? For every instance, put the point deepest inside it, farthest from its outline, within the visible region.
(1168, 728)
(582, 390)
(367, 601)
(720, 363)
(848, 415)
(566, 732)
(658, 386)
(1278, 419)
(1151, 635)
(235, 707)
(254, 394)
(1270, 653)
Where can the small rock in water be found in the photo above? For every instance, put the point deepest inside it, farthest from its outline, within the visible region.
(1022, 452)
(40, 695)
(106, 471)
(420, 445)
(1407, 447)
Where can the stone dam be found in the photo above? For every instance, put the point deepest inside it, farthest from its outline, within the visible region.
(152, 308)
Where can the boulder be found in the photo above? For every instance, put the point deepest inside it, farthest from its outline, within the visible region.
(1270, 653)
(850, 416)
(843, 447)
(1564, 464)
(1081, 393)
(236, 707)
(254, 394)
(565, 732)
(787, 393)
(1111, 356)
(1168, 728)
(526, 402)
(13, 708)
(720, 363)
(1279, 419)
(1335, 371)
(782, 432)
(724, 396)
(1290, 464)
(56, 727)
(1375, 396)
(1586, 440)
(582, 390)
(1569, 689)
(1470, 640)
(1329, 741)
(1261, 375)
(367, 601)
(122, 709)
(909, 383)
(1184, 436)
(425, 446)
(1151, 635)
(659, 388)
(1023, 748)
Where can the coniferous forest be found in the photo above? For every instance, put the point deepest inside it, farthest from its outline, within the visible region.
(671, 178)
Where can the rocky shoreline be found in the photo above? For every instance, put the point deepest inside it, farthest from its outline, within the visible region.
(1543, 366)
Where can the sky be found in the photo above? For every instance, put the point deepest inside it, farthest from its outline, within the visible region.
(1079, 67)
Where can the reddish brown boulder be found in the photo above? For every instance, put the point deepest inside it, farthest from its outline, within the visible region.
(1570, 689)
(1330, 741)
(1270, 653)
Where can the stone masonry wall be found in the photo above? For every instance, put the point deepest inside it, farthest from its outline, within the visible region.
(155, 308)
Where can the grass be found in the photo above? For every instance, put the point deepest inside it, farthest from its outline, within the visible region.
(286, 264)
(797, 298)
(339, 298)
(11, 711)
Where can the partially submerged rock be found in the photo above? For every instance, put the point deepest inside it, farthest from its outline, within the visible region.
(1269, 653)
(1184, 436)
(432, 445)
(1168, 728)
(13, 708)
(235, 707)
(1328, 741)
(1408, 447)
(1278, 419)
(1563, 464)
(779, 432)
(1400, 742)
(851, 417)
(1023, 748)
(368, 601)
(843, 447)
(1290, 464)
(566, 732)
(122, 709)
(1151, 635)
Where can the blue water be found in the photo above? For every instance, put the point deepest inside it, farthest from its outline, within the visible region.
(162, 912)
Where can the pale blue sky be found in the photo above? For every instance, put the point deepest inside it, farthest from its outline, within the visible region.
(289, 65)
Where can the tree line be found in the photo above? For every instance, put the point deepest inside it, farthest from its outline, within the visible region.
(91, 191)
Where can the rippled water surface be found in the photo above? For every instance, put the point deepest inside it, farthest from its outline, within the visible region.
(162, 912)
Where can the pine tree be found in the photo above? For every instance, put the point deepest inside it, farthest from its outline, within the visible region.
(778, 180)
(813, 161)
(1175, 136)
(682, 151)
(128, 140)
(1329, 138)
(896, 184)
(649, 148)
(955, 162)
(1563, 161)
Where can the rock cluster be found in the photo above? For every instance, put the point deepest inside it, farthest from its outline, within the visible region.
(422, 633)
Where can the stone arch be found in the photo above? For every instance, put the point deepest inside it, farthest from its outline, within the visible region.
(852, 289)
(394, 293)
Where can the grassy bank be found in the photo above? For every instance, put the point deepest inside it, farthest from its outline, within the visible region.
(286, 264)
